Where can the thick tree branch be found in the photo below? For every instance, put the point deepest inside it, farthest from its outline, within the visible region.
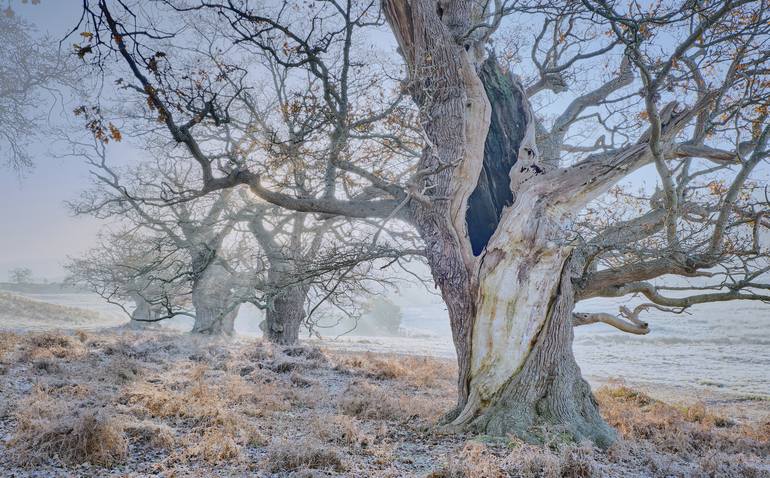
(630, 326)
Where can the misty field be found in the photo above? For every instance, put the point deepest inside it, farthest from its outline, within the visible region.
(119, 403)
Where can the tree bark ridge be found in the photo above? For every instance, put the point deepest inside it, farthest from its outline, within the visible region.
(285, 316)
(547, 393)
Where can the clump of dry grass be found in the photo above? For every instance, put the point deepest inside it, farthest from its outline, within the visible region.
(728, 465)
(259, 352)
(416, 371)
(219, 427)
(146, 432)
(476, 460)
(122, 370)
(676, 429)
(46, 346)
(144, 398)
(58, 344)
(340, 430)
(71, 390)
(214, 445)
(698, 413)
(578, 461)
(193, 399)
(223, 439)
(372, 402)
(120, 348)
(8, 343)
(259, 396)
(284, 455)
(374, 366)
(48, 429)
(625, 394)
(298, 380)
(529, 461)
(45, 365)
(367, 401)
(310, 353)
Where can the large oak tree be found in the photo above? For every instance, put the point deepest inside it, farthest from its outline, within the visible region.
(501, 192)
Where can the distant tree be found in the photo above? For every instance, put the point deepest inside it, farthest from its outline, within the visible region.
(130, 266)
(286, 121)
(20, 275)
(318, 263)
(383, 315)
(194, 230)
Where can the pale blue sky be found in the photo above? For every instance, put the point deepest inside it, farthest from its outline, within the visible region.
(37, 230)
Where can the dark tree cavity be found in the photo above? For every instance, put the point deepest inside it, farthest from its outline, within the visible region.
(506, 131)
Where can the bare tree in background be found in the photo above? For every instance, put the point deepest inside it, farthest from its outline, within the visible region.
(287, 250)
(501, 217)
(129, 265)
(196, 228)
(20, 275)
(33, 76)
(289, 123)
(303, 138)
(311, 263)
(289, 255)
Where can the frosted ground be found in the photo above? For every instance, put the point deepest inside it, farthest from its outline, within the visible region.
(358, 413)
(722, 348)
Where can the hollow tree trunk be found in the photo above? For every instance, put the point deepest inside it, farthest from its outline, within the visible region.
(494, 236)
(541, 386)
(523, 376)
(285, 316)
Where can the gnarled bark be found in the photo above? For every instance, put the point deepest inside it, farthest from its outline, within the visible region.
(494, 233)
(285, 316)
(455, 114)
(524, 377)
(215, 310)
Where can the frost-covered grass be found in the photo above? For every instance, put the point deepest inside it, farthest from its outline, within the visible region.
(140, 403)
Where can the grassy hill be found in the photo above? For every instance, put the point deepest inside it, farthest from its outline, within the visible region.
(17, 311)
